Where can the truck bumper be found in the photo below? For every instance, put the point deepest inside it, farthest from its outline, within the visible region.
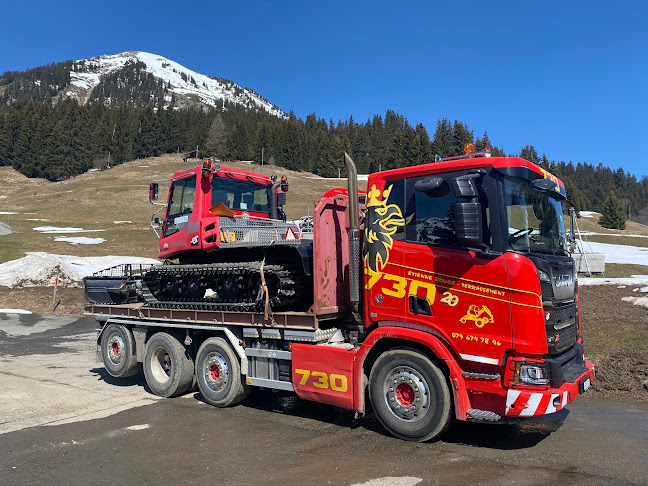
(529, 403)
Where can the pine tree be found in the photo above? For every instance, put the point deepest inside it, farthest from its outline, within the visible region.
(216, 139)
(613, 215)
(529, 153)
(482, 143)
(442, 140)
(421, 151)
(460, 137)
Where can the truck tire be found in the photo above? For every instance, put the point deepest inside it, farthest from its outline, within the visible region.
(168, 366)
(118, 351)
(218, 373)
(410, 395)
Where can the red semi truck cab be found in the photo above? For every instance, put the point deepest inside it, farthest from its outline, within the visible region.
(469, 258)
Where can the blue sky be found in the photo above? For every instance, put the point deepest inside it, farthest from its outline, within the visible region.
(569, 78)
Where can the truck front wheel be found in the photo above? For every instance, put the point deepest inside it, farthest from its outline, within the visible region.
(168, 366)
(118, 351)
(410, 395)
(218, 374)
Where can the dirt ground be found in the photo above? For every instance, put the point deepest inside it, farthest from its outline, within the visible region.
(38, 300)
(615, 332)
(615, 335)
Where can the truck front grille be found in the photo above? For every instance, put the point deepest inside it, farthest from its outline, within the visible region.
(547, 291)
(562, 328)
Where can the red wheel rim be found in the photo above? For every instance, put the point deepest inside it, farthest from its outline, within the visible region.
(405, 394)
(215, 374)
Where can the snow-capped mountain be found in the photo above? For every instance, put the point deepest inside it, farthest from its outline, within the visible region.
(139, 78)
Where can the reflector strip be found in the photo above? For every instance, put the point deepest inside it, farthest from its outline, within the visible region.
(511, 396)
(544, 403)
(479, 359)
(531, 405)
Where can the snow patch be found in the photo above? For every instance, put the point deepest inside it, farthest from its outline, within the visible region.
(7, 212)
(633, 280)
(40, 268)
(79, 240)
(37, 219)
(14, 311)
(121, 222)
(58, 229)
(587, 214)
(620, 253)
(641, 301)
(391, 481)
(592, 233)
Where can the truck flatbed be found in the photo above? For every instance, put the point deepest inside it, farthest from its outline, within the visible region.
(201, 318)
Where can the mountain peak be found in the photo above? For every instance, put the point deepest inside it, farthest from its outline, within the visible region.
(140, 78)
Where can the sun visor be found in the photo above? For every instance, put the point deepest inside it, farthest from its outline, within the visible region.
(530, 174)
(221, 210)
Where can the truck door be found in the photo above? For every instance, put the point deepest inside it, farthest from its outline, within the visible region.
(179, 230)
(459, 293)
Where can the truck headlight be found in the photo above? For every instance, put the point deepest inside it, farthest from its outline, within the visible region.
(532, 374)
(543, 276)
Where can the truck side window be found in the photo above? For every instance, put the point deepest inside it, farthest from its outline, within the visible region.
(430, 215)
(181, 202)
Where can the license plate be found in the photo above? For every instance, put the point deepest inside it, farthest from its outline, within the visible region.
(584, 385)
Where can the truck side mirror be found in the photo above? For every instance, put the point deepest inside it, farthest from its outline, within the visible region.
(468, 224)
(281, 199)
(544, 185)
(572, 230)
(153, 192)
(430, 184)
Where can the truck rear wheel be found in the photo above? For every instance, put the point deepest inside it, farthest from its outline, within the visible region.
(118, 351)
(168, 366)
(218, 374)
(410, 395)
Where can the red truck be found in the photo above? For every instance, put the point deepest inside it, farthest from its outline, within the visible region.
(446, 291)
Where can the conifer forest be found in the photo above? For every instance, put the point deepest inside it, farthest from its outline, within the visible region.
(57, 139)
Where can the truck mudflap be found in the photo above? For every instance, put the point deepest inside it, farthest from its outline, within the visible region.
(527, 403)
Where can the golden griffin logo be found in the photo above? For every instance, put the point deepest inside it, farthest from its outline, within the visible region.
(381, 223)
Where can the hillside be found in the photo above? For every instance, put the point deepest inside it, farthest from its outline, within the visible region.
(112, 205)
(132, 79)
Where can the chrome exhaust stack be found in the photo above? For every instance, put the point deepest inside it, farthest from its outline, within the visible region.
(354, 234)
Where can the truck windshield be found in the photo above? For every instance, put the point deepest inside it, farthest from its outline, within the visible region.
(535, 219)
(240, 195)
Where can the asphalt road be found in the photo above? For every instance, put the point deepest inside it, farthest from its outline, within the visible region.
(63, 420)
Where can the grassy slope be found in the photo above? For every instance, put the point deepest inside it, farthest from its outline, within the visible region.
(592, 224)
